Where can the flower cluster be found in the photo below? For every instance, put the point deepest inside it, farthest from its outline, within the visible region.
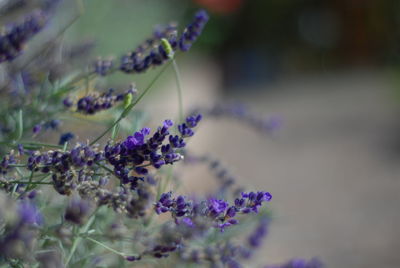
(138, 152)
(95, 102)
(5, 163)
(120, 191)
(153, 52)
(134, 204)
(15, 36)
(218, 211)
(193, 30)
(20, 228)
(65, 166)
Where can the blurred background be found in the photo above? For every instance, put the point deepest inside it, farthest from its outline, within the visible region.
(329, 69)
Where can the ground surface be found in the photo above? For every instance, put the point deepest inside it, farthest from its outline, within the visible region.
(333, 170)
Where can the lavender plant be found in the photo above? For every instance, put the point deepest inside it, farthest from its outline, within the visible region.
(109, 201)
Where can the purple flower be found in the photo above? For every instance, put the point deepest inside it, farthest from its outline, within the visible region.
(142, 149)
(153, 52)
(193, 120)
(52, 124)
(187, 222)
(216, 207)
(133, 258)
(250, 202)
(13, 40)
(96, 102)
(299, 263)
(231, 212)
(228, 223)
(29, 214)
(36, 129)
(21, 150)
(103, 67)
(66, 137)
(141, 170)
(77, 211)
(256, 237)
(68, 102)
(168, 123)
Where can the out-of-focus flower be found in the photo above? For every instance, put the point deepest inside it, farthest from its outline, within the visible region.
(153, 51)
(66, 137)
(299, 263)
(77, 211)
(241, 113)
(18, 238)
(15, 36)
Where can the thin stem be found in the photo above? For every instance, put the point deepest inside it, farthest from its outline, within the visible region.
(40, 144)
(65, 146)
(179, 88)
(106, 247)
(30, 144)
(20, 125)
(78, 239)
(17, 165)
(29, 187)
(106, 168)
(114, 132)
(30, 183)
(81, 6)
(126, 111)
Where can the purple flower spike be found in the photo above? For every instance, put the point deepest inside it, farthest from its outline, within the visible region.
(193, 30)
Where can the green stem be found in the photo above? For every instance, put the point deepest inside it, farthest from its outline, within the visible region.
(78, 239)
(30, 183)
(20, 125)
(81, 6)
(179, 88)
(30, 144)
(114, 132)
(126, 111)
(40, 144)
(17, 165)
(65, 146)
(29, 187)
(106, 247)
(106, 168)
